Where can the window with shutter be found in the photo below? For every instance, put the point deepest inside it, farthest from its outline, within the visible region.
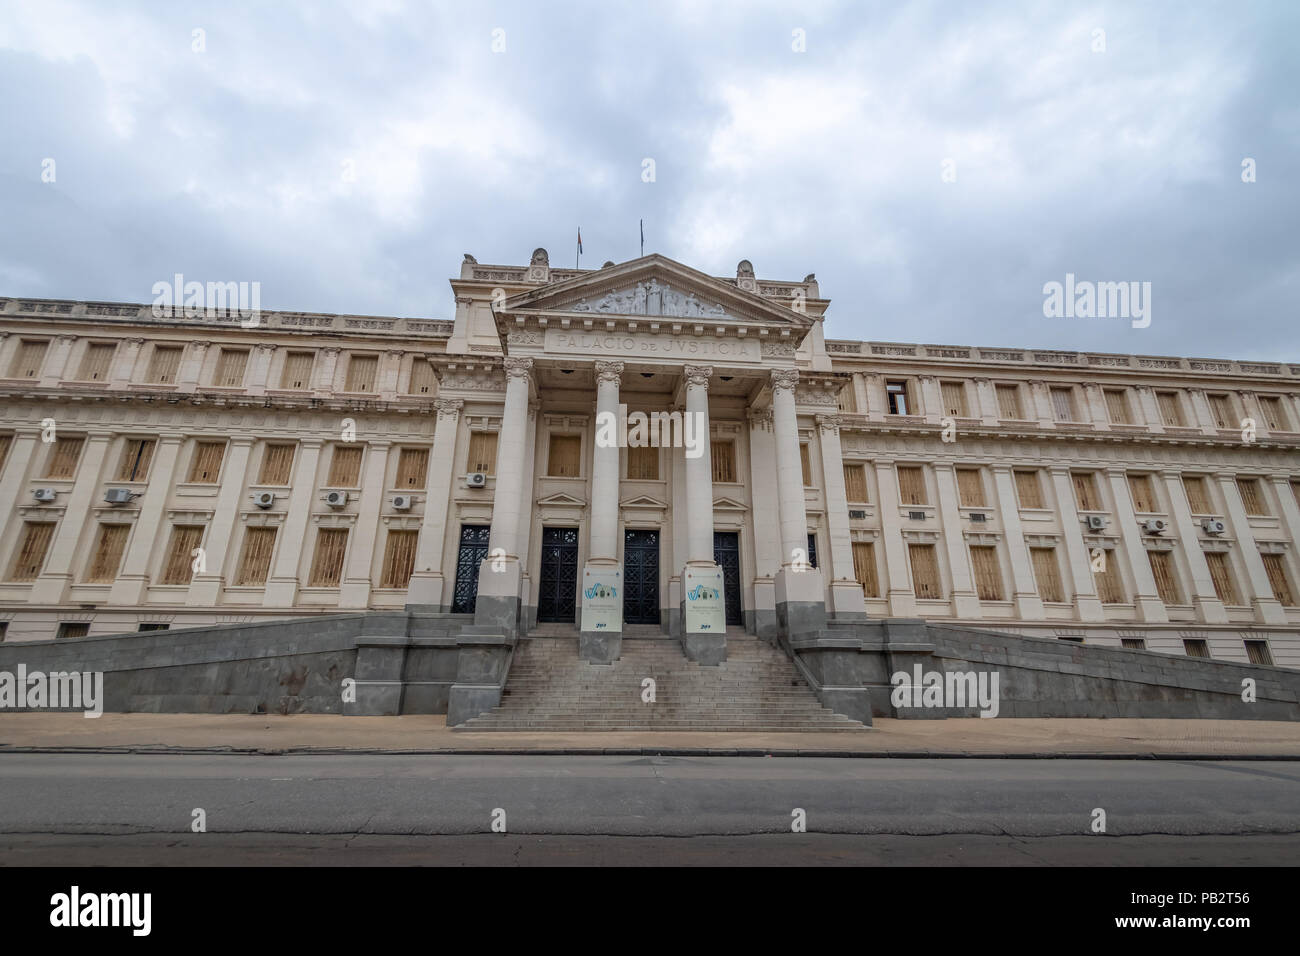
(31, 552)
(1258, 653)
(643, 463)
(412, 466)
(423, 381)
(1295, 485)
(327, 562)
(231, 366)
(1009, 402)
(1275, 566)
(1196, 648)
(1117, 406)
(205, 467)
(1270, 407)
(137, 455)
(848, 399)
(1029, 489)
(925, 571)
(864, 568)
(1133, 643)
(1171, 412)
(1110, 587)
(399, 559)
(178, 567)
(97, 362)
(64, 457)
(255, 561)
(1047, 574)
(1085, 491)
(896, 393)
(723, 454)
(1221, 411)
(1144, 500)
(1198, 496)
(805, 463)
(1162, 568)
(362, 370)
(1221, 576)
(297, 371)
(277, 465)
(911, 485)
(855, 483)
(1063, 404)
(988, 576)
(164, 365)
(29, 359)
(483, 452)
(1252, 496)
(954, 399)
(566, 456)
(970, 488)
(6, 443)
(110, 545)
(345, 467)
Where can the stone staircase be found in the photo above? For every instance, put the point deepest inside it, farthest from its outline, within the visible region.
(757, 689)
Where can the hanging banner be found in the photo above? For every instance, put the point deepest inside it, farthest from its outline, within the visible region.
(602, 600)
(706, 612)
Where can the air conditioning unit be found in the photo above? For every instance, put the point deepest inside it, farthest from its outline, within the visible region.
(916, 516)
(978, 516)
(857, 515)
(401, 502)
(264, 499)
(1155, 526)
(1213, 526)
(476, 479)
(1096, 523)
(336, 499)
(118, 496)
(44, 494)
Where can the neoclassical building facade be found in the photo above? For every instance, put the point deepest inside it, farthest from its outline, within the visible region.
(188, 470)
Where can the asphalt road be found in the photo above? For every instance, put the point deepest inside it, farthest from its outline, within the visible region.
(340, 809)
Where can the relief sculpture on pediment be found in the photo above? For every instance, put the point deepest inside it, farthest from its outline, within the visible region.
(652, 298)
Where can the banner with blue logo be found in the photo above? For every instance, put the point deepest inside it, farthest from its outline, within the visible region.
(706, 612)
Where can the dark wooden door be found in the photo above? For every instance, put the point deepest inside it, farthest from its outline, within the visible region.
(640, 577)
(558, 575)
(472, 552)
(726, 552)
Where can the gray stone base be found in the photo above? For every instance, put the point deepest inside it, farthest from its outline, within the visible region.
(800, 617)
(498, 612)
(766, 625)
(469, 700)
(600, 647)
(707, 649)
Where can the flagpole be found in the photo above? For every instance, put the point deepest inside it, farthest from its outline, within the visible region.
(643, 238)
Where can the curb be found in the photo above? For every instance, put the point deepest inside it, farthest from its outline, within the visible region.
(636, 752)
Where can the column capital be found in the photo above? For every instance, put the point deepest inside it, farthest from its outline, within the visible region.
(67, 337)
(448, 408)
(518, 368)
(268, 346)
(609, 373)
(829, 423)
(201, 346)
(761, 417)
(331, 350)
(395, 352)
(784, 378)
(697, 375)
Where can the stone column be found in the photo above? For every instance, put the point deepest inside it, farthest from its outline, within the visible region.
(52, 585)
(877, 407)
(1087, 604)
(931, 400)
(703, 605)
(425, 592)
(1267, 608)
(965, 601)
(56, 361)
(132, 584)
(763, 498)
(800, 595)
(187, 376)
(1201, 414)
(128, 354)
(902, 598)
(1095, 403)
(1148, 410)
(1029, 603)
(1208, 606)
(601, 632)
(847, 602)
(325, 369)
(13, 482)
(355, 591)
(261, 359)
(986, 401)
(528, 607)
(389, 373)
(1146, 597)
(283, 582)
(497, 603)
(205, 587)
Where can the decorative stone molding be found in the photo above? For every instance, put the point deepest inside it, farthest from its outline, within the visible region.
(829, 423)
(784, 379)
(609, 372)
(782, 349)
(448, 408)
(518, 367)
(697, 375)
(761, 417)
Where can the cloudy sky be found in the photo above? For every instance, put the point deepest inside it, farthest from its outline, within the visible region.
(346, 155)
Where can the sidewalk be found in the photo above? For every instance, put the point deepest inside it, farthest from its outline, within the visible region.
(958, 737)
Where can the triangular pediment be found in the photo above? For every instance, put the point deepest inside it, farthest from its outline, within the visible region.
(560, 498)
(654, 287)
(642, 501)
(722, 503)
